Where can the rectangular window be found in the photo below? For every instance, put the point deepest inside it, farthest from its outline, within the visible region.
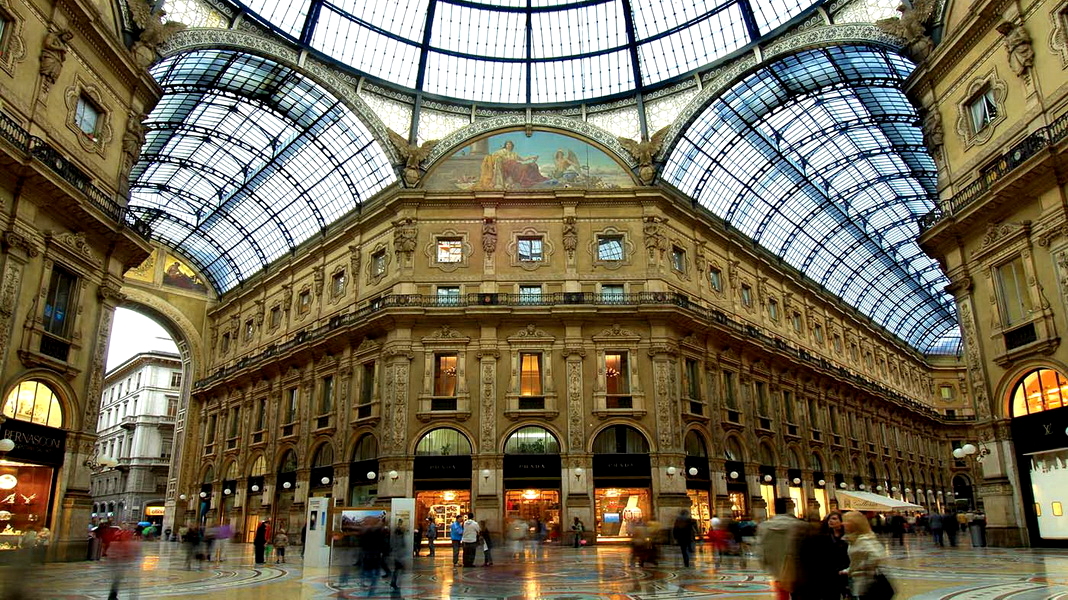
(747, 295)
(837, 339)
(304, 302)
(530, 374)
(338, 284)
(176, 379)
(762, 399)
(529, 294)
(617, 380)
(57, 315)
(813, 413)
(250, 327)
(261, 414)
(729, 396)
(715, 278)
(947, 392)
(612, 294)
(87, 117)
(292, 396)
(833, 414)
(226, 342)
(210, 435)
(235, 418)
(326, 399)
(450, 250)
(693, 388)
(983, 110)
(788, 406)
(378, 263)
(1015, 300)
(795, 319)
(448, 295)
(445, 375)
(276, 316)
(678, 259)
(817, 332)
(367, 383)
(773, 309)
(529, 249)
(610, 247)
(172, 406)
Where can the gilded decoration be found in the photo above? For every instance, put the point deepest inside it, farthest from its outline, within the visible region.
(146, 271)
(541, 160)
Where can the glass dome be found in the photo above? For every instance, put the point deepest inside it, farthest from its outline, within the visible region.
(526, 51)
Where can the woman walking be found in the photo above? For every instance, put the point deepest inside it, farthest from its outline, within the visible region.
(865, 556)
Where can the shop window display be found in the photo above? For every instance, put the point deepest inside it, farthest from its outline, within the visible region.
(25, 490)
(700, 508)
(444, 506)
(533, 505)
(620, 510)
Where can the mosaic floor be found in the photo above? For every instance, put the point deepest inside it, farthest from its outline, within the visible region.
(920, 571)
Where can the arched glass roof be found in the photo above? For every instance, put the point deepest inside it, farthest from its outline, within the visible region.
(818, 159)
(526, 51)
(244, 159)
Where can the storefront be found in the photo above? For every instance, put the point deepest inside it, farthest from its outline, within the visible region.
(532, 473)
(154, 514)
(797, 493)
(254, 487)
(285, 492)
(698, 488)
(1039, 423)
(28, 478)
(737, 490)
(819, 490)
(442, 477)
(622, 493)
(767, 488)
(364, 472)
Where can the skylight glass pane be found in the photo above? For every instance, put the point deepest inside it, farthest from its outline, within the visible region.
(772, 13)
(479, 32)
(577, 31)
(286, 15)
(478, 80)
(367, 50)
(693, 47)
(652, 17)
(579, 79)
(404, 18)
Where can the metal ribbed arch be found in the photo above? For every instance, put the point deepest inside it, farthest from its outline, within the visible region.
(818, 159)
(245, 159)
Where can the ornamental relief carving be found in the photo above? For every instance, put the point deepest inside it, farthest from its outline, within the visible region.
(575, 423)
(15, 50)
(98, 141)
(433, 257)
(1058, 35)
(593, 250)
(547, 249)
(489, 395)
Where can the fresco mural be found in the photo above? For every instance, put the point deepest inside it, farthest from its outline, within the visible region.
(178, 274)
(512, 161)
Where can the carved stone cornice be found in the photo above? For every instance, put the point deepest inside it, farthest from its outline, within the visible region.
(13, 240)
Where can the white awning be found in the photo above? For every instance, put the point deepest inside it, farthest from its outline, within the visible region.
(870, 501)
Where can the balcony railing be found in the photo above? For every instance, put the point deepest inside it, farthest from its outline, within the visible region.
(1028, 147)
(43, 152)
(565, 301)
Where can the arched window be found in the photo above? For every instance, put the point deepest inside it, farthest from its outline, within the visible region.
(620, 439)
(793, 461)
(695, 445)
(209, 475)
(324, 456)
(733, 450)
(288, 464)
(231, 471)
(817, 463)
(532, 440)
(1037, 391)
(35, 402)
(443, 442)
(767, 456)
(366, 449)
(836, 464)
(259, 467)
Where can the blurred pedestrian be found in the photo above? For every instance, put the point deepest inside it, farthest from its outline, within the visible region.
(456, 535)
(281, 540)
(865, 556)
(431, 533)
(260, 539)
(778, 539)
(683, 532)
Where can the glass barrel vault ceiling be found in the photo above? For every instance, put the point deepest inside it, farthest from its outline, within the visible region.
(817, 158)
(244, 159)
(526, 51)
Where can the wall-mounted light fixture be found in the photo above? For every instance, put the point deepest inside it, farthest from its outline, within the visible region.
(7, 445)
(394, 475)
(203, 494)
(578, 473)
(255, 488)
(767, 478)
(980, 452)
(287, 485)
(324, 480)
(821, 483)
(227, 491)
(671, 471)
(486, 474)
(371, 475)
(181, 496)
(734, 474)
(861, 487)
(842, 485)
(797, 481)
(692, 471)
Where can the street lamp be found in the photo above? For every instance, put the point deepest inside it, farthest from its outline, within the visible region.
(979, 452)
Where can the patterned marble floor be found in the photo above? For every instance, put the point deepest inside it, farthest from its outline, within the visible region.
(920, 571)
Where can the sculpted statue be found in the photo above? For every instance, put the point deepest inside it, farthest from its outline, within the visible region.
(53, 53)
(489, 236)
(911, 26)
(1018, 45)
(413, 155)
(933, 132)
(643, 152)
(154, 32)
(404, 234)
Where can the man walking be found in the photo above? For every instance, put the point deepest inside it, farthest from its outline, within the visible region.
(778, 540)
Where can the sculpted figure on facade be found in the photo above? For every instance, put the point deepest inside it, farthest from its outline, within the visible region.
(53, 54)
(404, 236)
(643, 152)
(413, 155)
(911, 26)
(1018, 45)
(570, 235)
(934, 134)
(655, 240)
(489, 235)
(154, 32)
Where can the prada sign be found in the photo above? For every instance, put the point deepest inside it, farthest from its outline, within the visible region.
(621, 465)
(34, 443)
(532, 466)
(443, 467)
